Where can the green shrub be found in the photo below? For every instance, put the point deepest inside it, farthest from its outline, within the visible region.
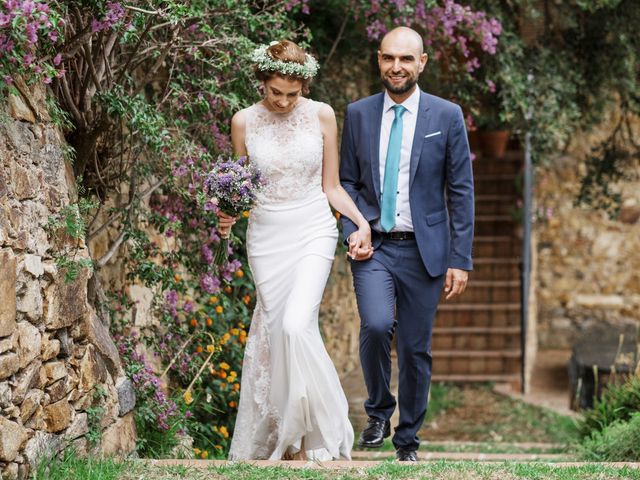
(617, 442)
(616, 404)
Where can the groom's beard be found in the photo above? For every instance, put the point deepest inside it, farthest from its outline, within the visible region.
(408, 85)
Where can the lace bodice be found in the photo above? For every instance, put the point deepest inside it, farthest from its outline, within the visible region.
(287, 148)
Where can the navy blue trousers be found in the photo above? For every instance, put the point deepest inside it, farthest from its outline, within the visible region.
(396, 295)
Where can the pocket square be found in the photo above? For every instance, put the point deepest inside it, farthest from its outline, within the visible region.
(433, 134)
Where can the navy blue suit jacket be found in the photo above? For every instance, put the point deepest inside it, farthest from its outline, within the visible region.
(440, 173)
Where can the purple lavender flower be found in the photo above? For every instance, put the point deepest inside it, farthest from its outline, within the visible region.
(210, 283)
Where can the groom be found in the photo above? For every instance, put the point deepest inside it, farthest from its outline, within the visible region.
(405, 157)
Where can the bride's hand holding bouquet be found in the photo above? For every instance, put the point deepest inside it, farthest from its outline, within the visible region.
(232, 186)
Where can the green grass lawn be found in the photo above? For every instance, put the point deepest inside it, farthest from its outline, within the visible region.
(139, 470)
(477, 413)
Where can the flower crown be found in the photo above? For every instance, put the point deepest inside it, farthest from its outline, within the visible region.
(265, 62)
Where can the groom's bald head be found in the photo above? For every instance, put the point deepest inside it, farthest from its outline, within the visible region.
(405, 36)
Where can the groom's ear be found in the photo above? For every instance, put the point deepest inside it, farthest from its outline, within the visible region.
(424, 58)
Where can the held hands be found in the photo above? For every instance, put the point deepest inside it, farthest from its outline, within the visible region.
(226, 222)
(360, 244)
(455, 282)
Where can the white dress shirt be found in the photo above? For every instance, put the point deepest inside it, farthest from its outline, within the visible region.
(409, 118)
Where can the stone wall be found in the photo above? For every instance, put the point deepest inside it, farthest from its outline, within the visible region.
(57, 359)
(588, 264)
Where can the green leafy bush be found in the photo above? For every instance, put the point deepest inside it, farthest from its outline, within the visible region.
(618, 403)
(617, 442)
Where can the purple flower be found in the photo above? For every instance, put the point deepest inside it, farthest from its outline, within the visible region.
(28, 7)
(207, 254)
(188, 306)
(209, 283)
(171, 297)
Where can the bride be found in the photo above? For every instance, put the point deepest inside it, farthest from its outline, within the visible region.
(292, 405)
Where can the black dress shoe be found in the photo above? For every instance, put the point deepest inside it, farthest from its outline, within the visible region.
(406, 455)
(374, 433)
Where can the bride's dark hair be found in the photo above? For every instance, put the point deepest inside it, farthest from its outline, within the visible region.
(289, 52)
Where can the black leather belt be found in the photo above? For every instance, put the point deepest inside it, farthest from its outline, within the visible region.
(398, 235)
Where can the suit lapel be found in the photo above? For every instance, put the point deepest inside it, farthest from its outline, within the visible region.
(375, 146)
(422, 124)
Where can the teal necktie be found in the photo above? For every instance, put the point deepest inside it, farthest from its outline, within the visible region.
(391, 167)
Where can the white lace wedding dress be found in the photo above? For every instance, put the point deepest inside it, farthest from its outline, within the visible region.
(290, 396)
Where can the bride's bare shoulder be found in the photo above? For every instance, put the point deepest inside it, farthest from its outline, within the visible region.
(239, 118)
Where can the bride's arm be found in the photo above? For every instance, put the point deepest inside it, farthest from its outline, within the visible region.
(360, 246)
(238, 129)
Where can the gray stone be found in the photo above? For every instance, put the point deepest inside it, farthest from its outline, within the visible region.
(98, 334)
(11, 472)
(19, 110)
(12, 436)
(55, 371)
(92, 369)
(8, 343)
(66, 343)
(120, 438)
(30, 404)
(6, 395)
(30, 302)
(78, 428)
(29, 343)
(9, 364)
(57, 390)
(24, 182)
(27, 379)
(7, 293)
(33, 265)
(66, 302)
(50, 347)
(58, 416)
(126, 396)
(20, 137)
(12, 412)
(42, 445)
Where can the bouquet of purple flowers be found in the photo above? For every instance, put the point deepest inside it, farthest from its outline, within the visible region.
(232, 185)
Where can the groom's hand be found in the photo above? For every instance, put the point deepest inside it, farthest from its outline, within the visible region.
(455, 282)
(357, 249)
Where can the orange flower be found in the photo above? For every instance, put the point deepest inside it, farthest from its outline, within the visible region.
(213, 299)
(246, 299)
(219, 309)
(204, 454)
(224, 366)
(209, 322)
(235, 331)
(199, 349)
(236, 386)
(210, 348)
(245, 214)
(177, 277)
(193, 322)
(228, 289)
(232, 404)
(223, 374)
(239, 273)
(224, 431)
(219, 447)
